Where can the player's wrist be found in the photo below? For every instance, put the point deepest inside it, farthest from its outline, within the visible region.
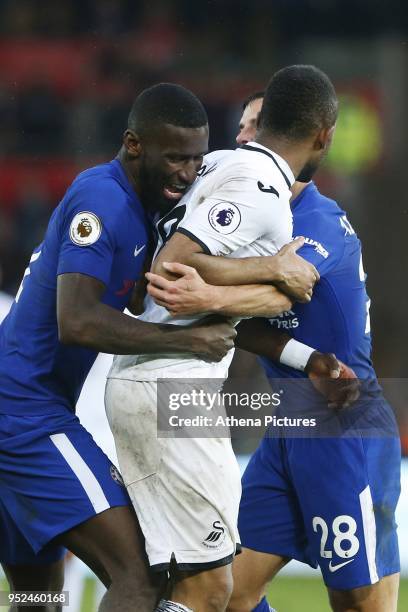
(216, 299)
(296, 355)
(271, 270)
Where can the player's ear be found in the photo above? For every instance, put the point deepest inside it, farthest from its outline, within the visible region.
(324, 138)
(132, 143)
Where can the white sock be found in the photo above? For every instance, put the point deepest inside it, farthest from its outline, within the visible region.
(165, 605)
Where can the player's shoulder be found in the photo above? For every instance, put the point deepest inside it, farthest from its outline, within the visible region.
(322, 222)
(102, 180)
(98, 198)
(258, 156)
(254, 161)
(215, 157)
(329, 205)
(222, 166)
(212, 162)
(318, 209)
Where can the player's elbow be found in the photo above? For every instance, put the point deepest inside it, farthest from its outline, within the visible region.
(158, 268)
(72, 330)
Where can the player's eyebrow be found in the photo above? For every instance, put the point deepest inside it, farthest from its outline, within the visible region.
(184, 156)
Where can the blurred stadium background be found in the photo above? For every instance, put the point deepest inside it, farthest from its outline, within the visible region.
(69, 71)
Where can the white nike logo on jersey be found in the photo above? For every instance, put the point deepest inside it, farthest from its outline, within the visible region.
(334, 568)
(137, 251)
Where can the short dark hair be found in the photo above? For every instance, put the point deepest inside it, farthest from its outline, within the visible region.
(254, 96)
(166, 103)
(298, 101)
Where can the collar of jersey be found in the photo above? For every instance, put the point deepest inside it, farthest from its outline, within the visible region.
(283, 164)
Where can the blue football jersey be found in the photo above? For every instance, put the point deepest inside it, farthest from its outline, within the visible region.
(337, 319)
(326, 494)
(99, 229)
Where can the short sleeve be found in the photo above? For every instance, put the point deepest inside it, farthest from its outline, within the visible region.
(242, 210)
(323, 247)
(90, 232)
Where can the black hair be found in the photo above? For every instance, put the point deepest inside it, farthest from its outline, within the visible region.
(166, 103)
(298, 101)
(255, 96)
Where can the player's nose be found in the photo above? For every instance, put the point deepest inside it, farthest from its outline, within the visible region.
(241, 139)
(188, 172)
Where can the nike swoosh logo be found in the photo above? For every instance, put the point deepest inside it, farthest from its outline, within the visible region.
(137, 251)
(334, 568)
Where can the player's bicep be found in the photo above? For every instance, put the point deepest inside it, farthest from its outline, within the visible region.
(77, 296)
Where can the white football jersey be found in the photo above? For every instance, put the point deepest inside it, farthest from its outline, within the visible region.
(237, 207)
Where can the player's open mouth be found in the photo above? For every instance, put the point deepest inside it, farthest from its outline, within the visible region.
(174, 192)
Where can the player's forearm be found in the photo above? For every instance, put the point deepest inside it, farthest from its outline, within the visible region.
(217, 270)
(110, 331)
(332, 378)
(243, 271)
(259, 337)
(249, 300)
(230, 271)
(292, 274)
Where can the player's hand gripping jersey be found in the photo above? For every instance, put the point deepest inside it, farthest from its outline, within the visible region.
(238, 207)
(99, 229)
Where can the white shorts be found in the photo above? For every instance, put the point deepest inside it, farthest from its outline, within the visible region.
(186, 491)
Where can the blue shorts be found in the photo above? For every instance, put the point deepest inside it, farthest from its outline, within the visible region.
(325, 501)
(53, 476)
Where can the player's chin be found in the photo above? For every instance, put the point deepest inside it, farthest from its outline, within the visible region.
(164, 205)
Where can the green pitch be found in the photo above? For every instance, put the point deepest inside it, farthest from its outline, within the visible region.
(291, 594)
(287, 594)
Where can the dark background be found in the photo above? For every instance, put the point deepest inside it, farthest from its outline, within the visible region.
(69, 71)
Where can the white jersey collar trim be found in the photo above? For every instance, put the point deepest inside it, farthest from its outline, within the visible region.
(283, 164)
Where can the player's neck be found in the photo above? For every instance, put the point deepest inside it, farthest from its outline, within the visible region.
(297, 189)
(294, 155)
(122, 157)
